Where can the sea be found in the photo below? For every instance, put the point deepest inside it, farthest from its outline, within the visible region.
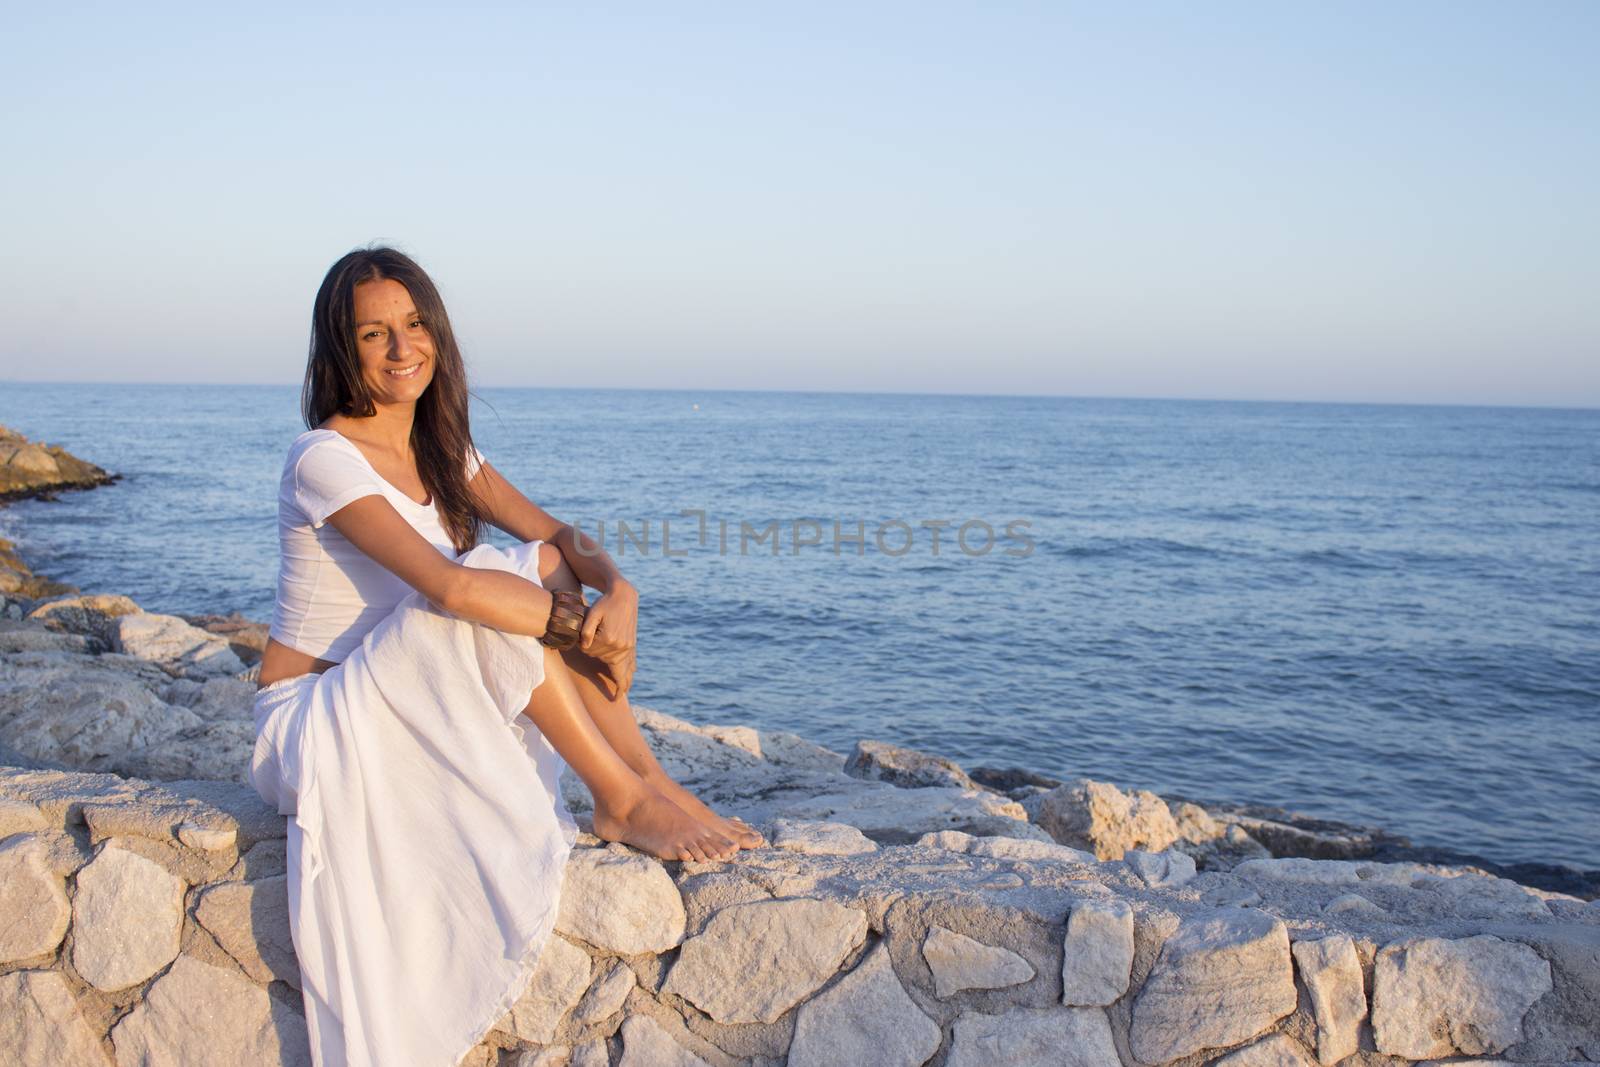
(1378, 614)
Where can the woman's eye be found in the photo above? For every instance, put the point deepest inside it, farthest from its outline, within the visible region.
(369, 335)
(416, 322)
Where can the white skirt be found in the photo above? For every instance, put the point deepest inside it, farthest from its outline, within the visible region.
(428, 837)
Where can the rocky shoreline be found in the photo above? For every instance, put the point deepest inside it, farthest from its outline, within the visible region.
(910, 911)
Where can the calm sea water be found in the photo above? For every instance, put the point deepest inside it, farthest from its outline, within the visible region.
(1378, 614)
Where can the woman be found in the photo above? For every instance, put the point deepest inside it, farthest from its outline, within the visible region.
(404, 666)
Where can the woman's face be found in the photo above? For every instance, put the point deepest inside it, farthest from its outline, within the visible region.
(393, 342)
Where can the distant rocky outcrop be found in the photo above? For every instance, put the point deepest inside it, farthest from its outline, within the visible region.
(35, 469)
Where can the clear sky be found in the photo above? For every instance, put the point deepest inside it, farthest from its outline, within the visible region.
(1354, 201)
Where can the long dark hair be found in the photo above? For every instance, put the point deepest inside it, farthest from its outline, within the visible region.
(440, 435)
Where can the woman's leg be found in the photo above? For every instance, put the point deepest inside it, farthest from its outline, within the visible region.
(626, 808)
(614, 717)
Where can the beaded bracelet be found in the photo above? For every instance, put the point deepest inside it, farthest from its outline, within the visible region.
(565, 626)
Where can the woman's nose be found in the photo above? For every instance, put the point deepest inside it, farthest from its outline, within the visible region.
(403, 346)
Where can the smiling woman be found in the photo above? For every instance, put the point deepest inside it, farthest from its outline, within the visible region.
(421, 692)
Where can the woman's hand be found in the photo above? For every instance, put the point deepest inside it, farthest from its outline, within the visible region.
(610, 630)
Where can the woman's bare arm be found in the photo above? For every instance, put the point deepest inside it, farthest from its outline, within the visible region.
(495, 598)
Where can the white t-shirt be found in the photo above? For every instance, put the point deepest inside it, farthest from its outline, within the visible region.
(330, 593)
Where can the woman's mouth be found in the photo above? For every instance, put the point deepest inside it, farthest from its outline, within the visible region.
(404, 372)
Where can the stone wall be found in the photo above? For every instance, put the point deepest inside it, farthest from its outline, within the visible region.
(147, 923)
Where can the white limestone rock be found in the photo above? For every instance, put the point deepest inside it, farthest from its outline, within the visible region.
(820, 838)
(1018, 848)
(1223, 977)
(197, 1013)
(1099, 817)
(1433, 997)
(606, 994)
(127, 919)
(1097, 953)
(646, 1044)
(1274, 1050)
(19, 816)
(1331, 970)
(559, 979)
(1483, 896)
(867, 1017)
(1352, 904)
(207, 838)
(250, 920)
(41, 1026)
(904, 767)
(620, 901)
(80, 713)
(34, 911)
(959, 962)
(1166, 869)
(753, 962)
(1033, 1037)
(173, 643)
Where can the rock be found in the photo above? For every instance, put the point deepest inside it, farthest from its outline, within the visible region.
(250, 920)
(1018, 848)
(127, 918)
(559, 979)
(620, 901)
(753, 962)
(904, 767)
(173, 643)
(1331, 970)
(1170, 868)
(207, 839)
(646, 1044)
(1097, 953)
(1013, 780)
(41, 1026)
(35, 469)
(1032, 1037)
(1099, 817)
(33, 901)
(197, 1013)
(1230, 895)
(1325, 872)
(88, 615)
(820, 838)
(246, 637)
(1433, 997)
(1274, 1050)
(1195, 825)
(867, 1017)
(1483, 896)
(959, 962)
(1223, 977)
(17, 816)
(85, 714)
(1352, 904)
(607, 993)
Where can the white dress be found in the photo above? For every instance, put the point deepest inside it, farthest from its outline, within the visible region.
(427, 839)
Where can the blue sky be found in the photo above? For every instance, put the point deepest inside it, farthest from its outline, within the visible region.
(1362, 201)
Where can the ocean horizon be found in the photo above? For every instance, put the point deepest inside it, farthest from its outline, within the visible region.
(1378, 613)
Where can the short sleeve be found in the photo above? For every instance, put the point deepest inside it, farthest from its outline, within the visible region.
(474, 462)
(328, 477)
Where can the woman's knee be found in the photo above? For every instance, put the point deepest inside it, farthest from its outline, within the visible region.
(553, 570)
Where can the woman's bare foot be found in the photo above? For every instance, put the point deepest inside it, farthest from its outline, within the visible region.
(740, 832)
(660, 827)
